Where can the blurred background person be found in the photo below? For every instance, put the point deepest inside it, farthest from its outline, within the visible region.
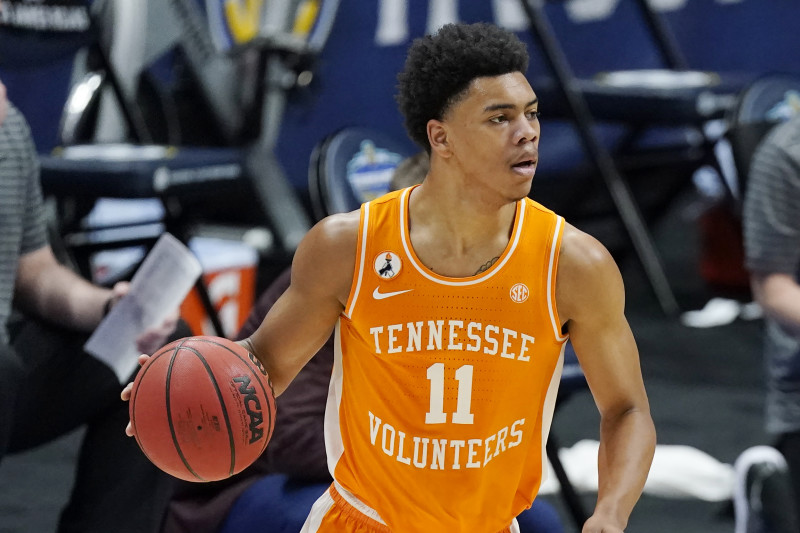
(771, 222)
(48, 384)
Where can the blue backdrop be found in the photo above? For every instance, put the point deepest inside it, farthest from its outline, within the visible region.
(355, 74)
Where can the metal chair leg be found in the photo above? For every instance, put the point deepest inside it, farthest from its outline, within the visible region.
(572, 500)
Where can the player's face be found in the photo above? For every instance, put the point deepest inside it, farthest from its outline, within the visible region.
(493, 134)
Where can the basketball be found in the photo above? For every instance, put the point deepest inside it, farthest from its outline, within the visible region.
(202, 408)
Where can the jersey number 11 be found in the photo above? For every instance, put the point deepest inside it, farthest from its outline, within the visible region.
(436, 414)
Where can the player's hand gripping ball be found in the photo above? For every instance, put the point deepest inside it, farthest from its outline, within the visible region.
(202, 408)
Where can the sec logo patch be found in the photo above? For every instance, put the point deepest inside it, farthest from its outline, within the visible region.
(519, 293)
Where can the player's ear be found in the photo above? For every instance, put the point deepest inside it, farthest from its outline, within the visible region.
(437, 137)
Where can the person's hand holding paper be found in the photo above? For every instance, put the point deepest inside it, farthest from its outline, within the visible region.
(153, 337)
(143, 313)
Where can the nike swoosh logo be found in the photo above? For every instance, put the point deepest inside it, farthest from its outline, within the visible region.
(378, 295)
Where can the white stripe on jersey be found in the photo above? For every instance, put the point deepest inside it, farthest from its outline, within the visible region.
(334, 447)
(317, 513)
(551, 282)
(549, 407)
(364, 228)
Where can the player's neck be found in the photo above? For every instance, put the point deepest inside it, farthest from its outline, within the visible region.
(461, 207)
(455, 234)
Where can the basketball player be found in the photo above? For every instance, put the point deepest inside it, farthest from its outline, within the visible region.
(278, 490)
(446, 371)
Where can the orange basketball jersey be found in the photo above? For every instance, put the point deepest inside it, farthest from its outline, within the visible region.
(443, 388)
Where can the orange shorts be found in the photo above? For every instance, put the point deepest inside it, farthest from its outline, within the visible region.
(331, 513)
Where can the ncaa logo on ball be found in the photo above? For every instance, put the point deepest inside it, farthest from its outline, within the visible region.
(252, 406)
(519, 293)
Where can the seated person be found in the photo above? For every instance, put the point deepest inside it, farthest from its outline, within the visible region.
(49, 385)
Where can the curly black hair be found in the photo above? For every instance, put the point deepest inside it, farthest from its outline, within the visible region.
(440, 67)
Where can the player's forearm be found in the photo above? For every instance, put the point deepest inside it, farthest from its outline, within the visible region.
(281, 369)
(627, 445)
(295, 328)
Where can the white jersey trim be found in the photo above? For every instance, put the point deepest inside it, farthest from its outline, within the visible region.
(551, 282)
(549, 407)
(494, 270)
(364, 227)
(318, 512)
(360, 506)
(334, 447)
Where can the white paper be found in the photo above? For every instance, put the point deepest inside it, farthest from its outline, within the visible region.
(157, 289)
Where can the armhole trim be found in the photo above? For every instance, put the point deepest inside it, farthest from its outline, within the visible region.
(361, 250)
(552, 269)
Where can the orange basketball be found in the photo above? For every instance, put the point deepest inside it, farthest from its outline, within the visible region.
(202, 408)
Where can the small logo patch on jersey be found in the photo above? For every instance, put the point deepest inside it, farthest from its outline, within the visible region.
(519, 293)
(378, 295)
(387, 265)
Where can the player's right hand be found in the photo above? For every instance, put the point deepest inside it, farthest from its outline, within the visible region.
(126, 393)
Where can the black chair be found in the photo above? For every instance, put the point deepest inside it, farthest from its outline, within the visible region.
(767, 101)
(350, 167)
(670, 96)
(230, 178)
(223, 152)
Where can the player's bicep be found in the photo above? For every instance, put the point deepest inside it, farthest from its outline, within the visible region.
(609, 358)
(593, 298)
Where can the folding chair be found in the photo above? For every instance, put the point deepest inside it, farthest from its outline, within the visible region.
(232, 177)
(247, 130)
(670, 96)
(767, 101)
(350, 167)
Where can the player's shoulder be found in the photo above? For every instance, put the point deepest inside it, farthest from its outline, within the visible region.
(332, 242)
(325, 259)
(587, 275)
(581, 251)
(337, 231)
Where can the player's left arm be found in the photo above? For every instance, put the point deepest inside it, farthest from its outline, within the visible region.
(591, 300)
